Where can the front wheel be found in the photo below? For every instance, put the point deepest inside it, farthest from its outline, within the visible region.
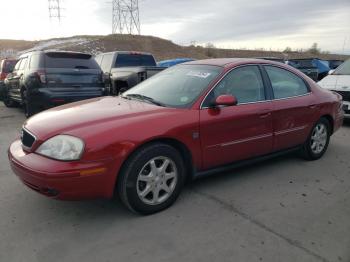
(317, 143)
(27, 107)
(151, 179)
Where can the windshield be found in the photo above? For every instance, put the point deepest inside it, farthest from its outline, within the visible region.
(178, 86)
(343, 69)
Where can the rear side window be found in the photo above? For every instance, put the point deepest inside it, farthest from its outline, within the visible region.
(23, 63)
(17, 65)
(285, 84)
(35, 61)
(125, 60)
(106, 62)
(98, 59)
(70, 60)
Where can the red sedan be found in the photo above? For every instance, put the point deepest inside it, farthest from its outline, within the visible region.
(185, 122)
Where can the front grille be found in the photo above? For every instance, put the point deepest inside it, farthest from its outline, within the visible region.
(27, 138)
(344, 94)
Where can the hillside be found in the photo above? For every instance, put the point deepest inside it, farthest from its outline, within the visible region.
(161, 48)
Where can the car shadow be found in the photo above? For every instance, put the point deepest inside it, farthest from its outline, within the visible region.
(346, 123)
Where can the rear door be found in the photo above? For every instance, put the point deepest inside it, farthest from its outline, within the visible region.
(16, 78)
(294, 108)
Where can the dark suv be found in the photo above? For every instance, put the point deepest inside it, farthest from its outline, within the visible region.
(6, 67)
(44, 79)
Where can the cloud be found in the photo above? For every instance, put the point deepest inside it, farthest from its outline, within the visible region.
(226, 23)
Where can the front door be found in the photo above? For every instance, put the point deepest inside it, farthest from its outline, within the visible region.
(233, 133)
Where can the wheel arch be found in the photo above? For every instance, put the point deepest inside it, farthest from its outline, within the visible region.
(330, 119)
(178, 145)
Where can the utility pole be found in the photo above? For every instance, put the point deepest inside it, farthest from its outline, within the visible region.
(125, 17)
(55, 10)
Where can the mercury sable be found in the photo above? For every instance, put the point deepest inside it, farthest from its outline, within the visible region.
(185, 122)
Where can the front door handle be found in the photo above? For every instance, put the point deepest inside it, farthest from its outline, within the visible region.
(265, 115)
(313, 106)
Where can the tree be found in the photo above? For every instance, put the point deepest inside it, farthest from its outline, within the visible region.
(210, 49)
(314, 49)
(287, 50)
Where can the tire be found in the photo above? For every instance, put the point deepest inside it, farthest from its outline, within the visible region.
(8, 102)
(318, 140)
(122, 90)
(140, 175)
(27, 107)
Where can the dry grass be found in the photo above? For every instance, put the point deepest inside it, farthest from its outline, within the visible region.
(161, 48)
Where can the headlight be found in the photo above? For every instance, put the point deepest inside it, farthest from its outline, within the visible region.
(62, 147)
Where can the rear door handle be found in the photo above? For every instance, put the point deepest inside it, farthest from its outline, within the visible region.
(313, 106)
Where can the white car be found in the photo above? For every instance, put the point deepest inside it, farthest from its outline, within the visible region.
(339, 81)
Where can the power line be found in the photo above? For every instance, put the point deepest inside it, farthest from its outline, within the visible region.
(125, 17)
(55, 10)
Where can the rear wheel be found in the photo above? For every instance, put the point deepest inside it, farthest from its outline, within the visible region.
(151, 179)
(317, 143)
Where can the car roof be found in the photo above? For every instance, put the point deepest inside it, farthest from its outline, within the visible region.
(125, 52)
(53, 51)
(227, 62)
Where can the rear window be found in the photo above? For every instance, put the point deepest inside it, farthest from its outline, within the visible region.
(125, 60)
(8, 66)
(70, 60)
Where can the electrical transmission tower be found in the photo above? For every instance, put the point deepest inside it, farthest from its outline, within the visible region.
(125, 17)
(55, 10)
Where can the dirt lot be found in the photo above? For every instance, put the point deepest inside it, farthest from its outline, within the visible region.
(285, 209)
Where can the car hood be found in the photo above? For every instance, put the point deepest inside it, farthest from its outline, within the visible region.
(89, 113)
(336, 82)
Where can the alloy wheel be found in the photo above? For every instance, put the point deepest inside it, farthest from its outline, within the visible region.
(319, 138)
(157, 180)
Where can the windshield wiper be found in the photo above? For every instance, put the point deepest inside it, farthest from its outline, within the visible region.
(144, 98)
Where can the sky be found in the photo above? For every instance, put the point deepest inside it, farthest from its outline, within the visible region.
(268, 24)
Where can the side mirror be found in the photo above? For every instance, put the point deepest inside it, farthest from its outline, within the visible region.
(9, 75)
(225, 100)
(330, 72)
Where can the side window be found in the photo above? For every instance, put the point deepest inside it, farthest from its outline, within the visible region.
(34, 61)
(245, 83)
(284, 83)
(106, 62)
(17, 65)
(98, 59)
(23, 63)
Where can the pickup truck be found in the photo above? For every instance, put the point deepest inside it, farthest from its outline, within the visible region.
(123, 69)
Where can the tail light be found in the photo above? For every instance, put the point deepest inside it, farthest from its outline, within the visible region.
(142, 76)
(3, 76)
(41, 74)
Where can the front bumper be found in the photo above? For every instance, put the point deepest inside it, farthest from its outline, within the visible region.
(74, 180)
